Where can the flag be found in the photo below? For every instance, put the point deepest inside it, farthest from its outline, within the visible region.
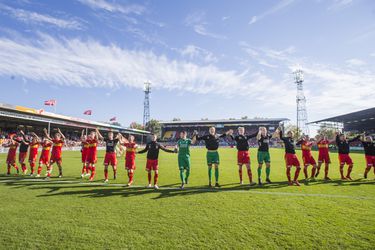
(51, 102)
(40, 111)
(113, 119)
(87, 112)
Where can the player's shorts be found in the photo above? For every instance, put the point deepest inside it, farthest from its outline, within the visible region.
(183, 162)
(84, 155)
(110, 159)
(212, 157)
(11, 159)
(308, 160)
(243, 157)
(370, 160)
(91, 158)
(44, 159)
(324, 157)
(33, 157)
(22, 157)
(264, 156)
(345, 159)
(130, 163)
(55, 158)
(152, 165)
(291, 160)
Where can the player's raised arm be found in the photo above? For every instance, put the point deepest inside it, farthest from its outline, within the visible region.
(35, 136)
(98, 134)
(62, 135)
(357, 138)
(46, 134)
(194, 138)
(144, 150)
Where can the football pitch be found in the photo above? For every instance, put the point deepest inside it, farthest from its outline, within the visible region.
(72, 213)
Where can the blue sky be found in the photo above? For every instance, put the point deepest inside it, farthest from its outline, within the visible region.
(205, 59)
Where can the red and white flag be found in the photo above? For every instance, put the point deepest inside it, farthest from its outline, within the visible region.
(88, 112)
(51, 102)
(113, 119)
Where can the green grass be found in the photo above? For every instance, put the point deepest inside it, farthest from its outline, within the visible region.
(63, 215)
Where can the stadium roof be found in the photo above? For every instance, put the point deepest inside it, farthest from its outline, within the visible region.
(20, 113)
(226, 121)
(359, 120)
(363, 115)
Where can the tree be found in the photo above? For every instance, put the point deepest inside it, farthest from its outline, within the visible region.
(154, 127)
(326, 131)
(293, 128)
(244, 117)
(135, 125)
(176, 119)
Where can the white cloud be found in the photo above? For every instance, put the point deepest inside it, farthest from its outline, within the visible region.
(73, 62)
(195, 52)
(355, 62)
(340, 4)
(274, 9)
(41, 19)
(114, 7)
(372, 54)
(224, 18)
(197, 21)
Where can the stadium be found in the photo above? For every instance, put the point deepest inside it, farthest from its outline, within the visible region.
(295, 168)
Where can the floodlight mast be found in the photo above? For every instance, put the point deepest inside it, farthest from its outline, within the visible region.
(301, 104)
(146, 104)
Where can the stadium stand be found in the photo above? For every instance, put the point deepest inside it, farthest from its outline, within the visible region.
(356, 122)
(13, 118)
(172, 129)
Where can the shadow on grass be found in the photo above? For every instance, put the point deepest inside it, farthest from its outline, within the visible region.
(70, 186)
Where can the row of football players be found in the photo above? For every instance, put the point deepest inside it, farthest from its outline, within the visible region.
(90, 143)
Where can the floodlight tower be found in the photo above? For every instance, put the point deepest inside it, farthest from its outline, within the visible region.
(301, 104)
(146, 104)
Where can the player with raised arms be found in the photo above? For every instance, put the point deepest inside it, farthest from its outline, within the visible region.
(24, 143)
(243, 157)
(152, 148)
(323, 157)
(343, 145)
(369, 147)
(44, 156)
(56, 154)
(92, 155)
(33, 152)
(110, 153)
(131, 148)
(11, 157)
(290, 156)
(307, 157)
(84, 152)
(263, 153)
(183, 147)
(213, 160)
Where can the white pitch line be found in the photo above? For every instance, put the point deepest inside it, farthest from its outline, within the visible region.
(197, 189)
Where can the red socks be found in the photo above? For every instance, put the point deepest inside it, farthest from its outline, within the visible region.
(240, 174)
(49, 169)
(250, 175)
(342, 172)
(32, 166)
(296, 174)
(130, 175)
(84, 169)
(326, 171)
(92, 173)
(305, 172)
(23, 167)
(149, 177)
(156, 176)
(288, 174)
(350, 168)
(313, 171)
(39, 169)
(106, 174)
